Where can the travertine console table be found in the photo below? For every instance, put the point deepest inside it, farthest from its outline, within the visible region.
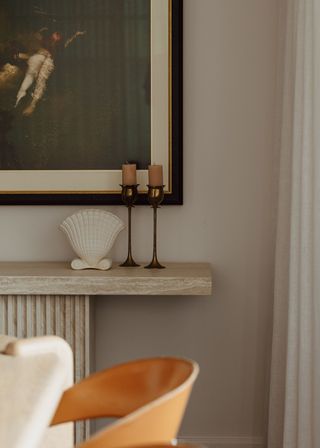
(49, 298)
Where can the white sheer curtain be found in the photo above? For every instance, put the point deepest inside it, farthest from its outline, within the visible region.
(294, 414)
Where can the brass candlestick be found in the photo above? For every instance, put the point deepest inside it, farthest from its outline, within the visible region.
(129, 196)
(155, 197)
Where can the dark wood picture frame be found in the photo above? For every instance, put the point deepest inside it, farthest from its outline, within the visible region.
(175, 196)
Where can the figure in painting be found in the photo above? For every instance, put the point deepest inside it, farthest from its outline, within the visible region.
(36, 66)
(40, 66)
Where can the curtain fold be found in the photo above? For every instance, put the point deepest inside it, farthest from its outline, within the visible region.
(294, 418)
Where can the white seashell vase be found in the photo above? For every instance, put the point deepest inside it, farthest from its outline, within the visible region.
(92, 234)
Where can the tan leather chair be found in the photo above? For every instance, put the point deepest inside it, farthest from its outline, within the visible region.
(148, 397)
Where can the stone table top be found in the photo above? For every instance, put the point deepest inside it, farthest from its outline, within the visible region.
(57, 278)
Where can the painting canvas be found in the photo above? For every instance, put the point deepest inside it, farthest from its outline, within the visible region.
(53, 118)
(84, 87)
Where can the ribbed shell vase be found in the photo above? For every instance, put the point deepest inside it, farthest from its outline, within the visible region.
(92, 234)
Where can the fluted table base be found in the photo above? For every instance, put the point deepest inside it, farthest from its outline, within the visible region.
(64, 316)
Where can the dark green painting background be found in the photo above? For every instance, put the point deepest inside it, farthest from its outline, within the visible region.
(96, 111)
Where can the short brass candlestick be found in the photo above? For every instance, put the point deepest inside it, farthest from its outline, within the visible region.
(155, 197)
(129, 196)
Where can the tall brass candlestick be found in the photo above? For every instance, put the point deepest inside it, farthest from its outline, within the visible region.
(155, 197)
(129, 196)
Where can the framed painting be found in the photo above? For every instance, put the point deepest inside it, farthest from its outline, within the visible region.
(86, 86)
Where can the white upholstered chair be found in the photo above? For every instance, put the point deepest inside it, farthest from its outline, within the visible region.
(33, 376)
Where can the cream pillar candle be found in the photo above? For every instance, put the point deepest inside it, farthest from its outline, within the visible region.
(129, 174)
(155, 175)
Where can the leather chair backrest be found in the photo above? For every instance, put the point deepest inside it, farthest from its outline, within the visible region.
(147, 396)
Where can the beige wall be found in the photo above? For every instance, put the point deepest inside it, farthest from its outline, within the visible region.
(227, 220)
